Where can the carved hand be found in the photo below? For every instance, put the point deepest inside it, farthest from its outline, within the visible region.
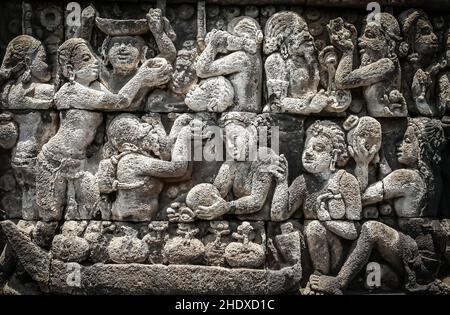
(217, 38)
(155, 21)
(342, 35)
(212, 212)
(360, 153)
(155, 72)
(279, 168)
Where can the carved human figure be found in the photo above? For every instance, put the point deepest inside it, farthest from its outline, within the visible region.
(124, 52)
(330, 198)
(364, 146)
(241, 62)
(184, 78)
(413, 190)
(60, 164)
(24, 77)
(184, 75)
(244, 179)
(421, 65)
(379, 73)
(293, 70)
(143, 158)
(25, 74)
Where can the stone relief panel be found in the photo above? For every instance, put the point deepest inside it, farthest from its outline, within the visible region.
(262, 149)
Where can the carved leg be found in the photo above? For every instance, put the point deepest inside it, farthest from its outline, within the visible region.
(51, 186)
(316, 238)
(373, 234)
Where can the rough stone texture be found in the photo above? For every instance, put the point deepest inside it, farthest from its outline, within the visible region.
(223, 146)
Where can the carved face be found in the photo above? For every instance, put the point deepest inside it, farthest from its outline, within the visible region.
(85, 65)
(317, 154)
(184, 74)
(426, 41)
(39, 66)
(408, 150)
(300, 42)
(125, 52)
(373, 43)
(150, 139)
(237, 141)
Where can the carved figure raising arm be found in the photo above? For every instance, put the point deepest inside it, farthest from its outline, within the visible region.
(379, 72)
(413, 192)
(293, 70)
(241, 63)
(137, 171)
(61, 159)
(330, 198)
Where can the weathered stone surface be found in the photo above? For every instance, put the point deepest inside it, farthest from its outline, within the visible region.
(224, 147)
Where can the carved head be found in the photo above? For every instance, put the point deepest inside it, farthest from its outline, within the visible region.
(246, 27)
(214, 94)
(185, 74)
(418, 32)
(288, 33)
(76, 61)
(380, 37)
(127, 132)
(25, 56)
(325, 147)
(124, 53)
(240, 134)
(422, 143)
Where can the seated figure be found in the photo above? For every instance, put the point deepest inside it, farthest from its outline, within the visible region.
(330, 198)
(293, 71)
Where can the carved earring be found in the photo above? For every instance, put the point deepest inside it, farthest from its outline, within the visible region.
(71, 76)
(26, 76)
(283, 51)
(333, 161)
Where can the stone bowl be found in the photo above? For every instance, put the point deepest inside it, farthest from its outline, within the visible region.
(114, 27)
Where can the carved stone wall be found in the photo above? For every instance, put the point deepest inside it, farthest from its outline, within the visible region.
(224, 147)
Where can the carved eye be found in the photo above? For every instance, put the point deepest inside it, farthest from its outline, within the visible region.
(319, 147)
(86, 58)
(370, 34)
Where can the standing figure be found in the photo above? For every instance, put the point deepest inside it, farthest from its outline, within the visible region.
(241, 62)
(61, 181)
(330, 198)
(293, 70)
(379, 73)
(24, 80)
(422, 65)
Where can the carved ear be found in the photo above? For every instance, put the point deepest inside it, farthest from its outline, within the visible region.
(284, 51)
(69, 72)
(334, 160)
